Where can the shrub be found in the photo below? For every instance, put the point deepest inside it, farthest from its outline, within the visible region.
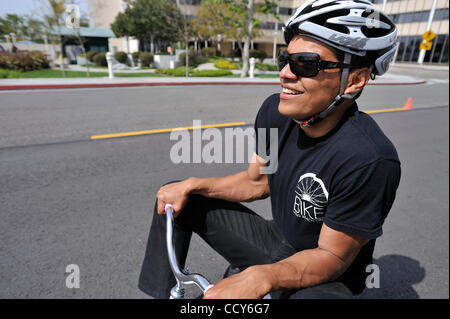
(209, 52)
(121, 57)
(100, 59)
(181, 71)
(24, 61)
(146, 58)
(90, 55)
(233, 54)
(258, 54)
(194, 58)
(135, 56)
(211, 73)
(266, 67)
(225, 65)
(10, 74)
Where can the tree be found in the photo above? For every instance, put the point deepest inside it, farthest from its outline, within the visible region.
(56, 16)
(152, 21)
(214, 18)
(56, 19)
(5, 26)
(236, 19)
(34, 28)
(186, 30)
(77, 26)
(121, 26)
(13, 23)
(23, 26)
(249, 35)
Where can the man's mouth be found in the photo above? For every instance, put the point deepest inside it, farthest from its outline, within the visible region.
(291, 92)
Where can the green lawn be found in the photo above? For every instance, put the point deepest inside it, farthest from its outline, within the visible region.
(261, 76)
(51, 73)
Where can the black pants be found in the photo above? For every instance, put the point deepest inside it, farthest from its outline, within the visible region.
(241, 236)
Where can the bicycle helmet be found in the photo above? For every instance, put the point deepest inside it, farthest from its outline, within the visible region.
(354, 27)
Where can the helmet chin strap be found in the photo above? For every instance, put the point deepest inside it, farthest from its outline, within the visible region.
(339, 99)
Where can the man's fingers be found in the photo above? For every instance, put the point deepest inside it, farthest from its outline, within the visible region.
(209, 294)
(161, 205)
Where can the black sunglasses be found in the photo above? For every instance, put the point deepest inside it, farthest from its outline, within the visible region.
(307, 64)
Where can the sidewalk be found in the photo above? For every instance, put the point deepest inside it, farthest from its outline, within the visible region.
(429, 67)
(94, 68)
(58, 83)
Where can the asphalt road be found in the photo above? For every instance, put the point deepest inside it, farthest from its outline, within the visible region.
(53, 116)
(67, 200)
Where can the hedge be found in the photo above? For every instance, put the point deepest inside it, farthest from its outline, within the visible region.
(181, 71)
(258, 54)
(194, 58)
(211, 73)
(135, 56)
(24, 61)
(10, 74)
(90, 55)
(209, 52)
(266, 67)
(100, 59)
(121, 57)
(225, 65)
(146, 58)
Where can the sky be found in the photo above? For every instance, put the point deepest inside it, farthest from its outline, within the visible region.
(31, 7)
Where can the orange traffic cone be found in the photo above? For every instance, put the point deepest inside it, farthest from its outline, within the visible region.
(408, 105)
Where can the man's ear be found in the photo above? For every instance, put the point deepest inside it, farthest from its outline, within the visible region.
(357, 80)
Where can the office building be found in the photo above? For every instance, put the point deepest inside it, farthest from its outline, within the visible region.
(411, 17)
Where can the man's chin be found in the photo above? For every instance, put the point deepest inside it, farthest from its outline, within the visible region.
(289, 109)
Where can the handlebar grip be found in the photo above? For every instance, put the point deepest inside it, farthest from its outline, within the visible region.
(167, 207)
(207, 288)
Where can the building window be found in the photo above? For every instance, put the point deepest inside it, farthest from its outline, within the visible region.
(270, 26)
(286, 11)
(189, 2)
(419, 16)
(439, 52)
(408, 50)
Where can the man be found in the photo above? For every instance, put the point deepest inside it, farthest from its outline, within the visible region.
(335, 183)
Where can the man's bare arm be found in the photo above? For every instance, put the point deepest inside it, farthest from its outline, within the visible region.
(335, 252)
(245, 186)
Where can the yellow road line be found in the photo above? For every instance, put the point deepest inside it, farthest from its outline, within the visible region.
(168, 130)
(165, 130)
(385, 110)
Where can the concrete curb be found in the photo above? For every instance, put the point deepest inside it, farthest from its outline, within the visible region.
(138, 84)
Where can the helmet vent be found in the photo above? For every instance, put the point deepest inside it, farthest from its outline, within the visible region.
(324, 20)
(379, 25)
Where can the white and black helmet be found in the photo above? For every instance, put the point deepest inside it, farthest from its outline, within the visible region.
(356, 27)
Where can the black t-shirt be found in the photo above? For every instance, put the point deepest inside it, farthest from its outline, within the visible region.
(346, 179)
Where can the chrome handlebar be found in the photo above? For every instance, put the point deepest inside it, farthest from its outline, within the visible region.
(182, 276)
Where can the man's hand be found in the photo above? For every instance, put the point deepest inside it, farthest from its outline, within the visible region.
(176, 194)
(252, 283)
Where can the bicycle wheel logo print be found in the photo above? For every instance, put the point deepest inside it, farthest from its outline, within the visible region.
(311, 198)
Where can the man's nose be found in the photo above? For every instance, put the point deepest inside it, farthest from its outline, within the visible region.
(286, 73)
